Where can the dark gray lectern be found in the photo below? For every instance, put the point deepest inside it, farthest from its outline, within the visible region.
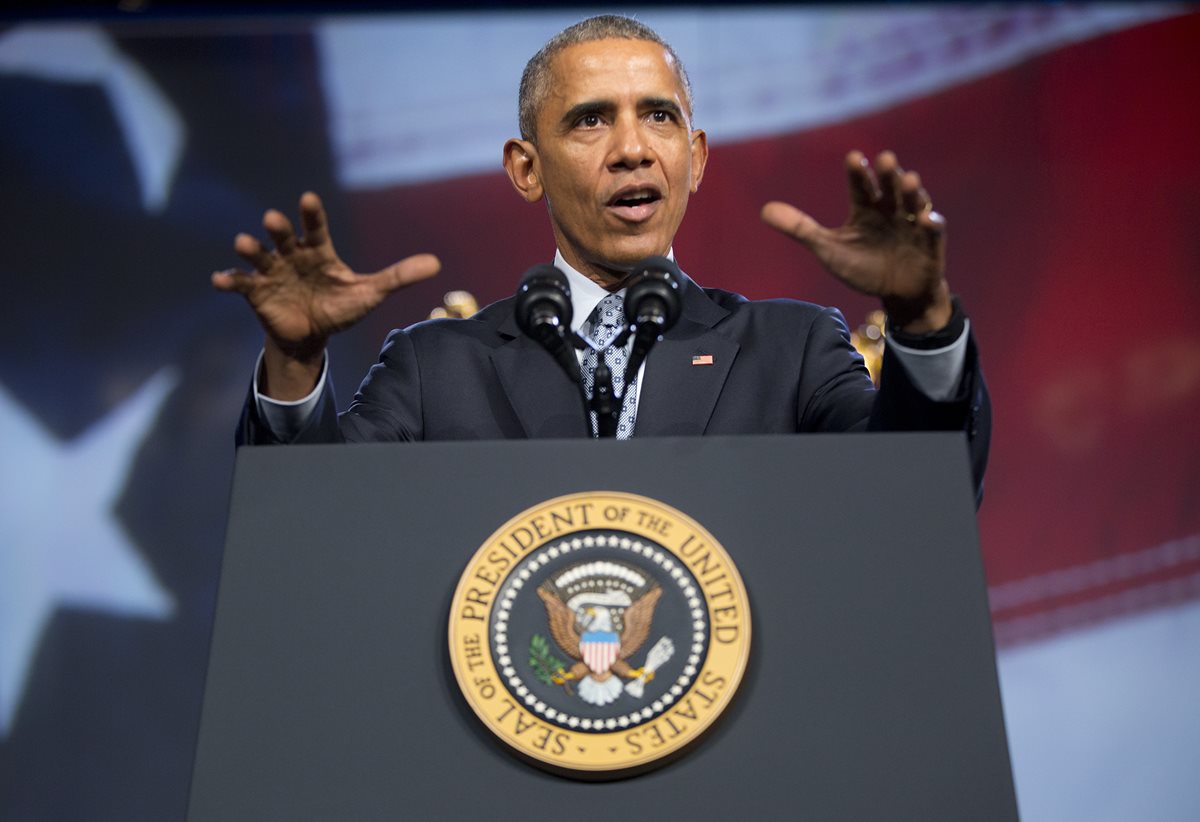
(871, 692)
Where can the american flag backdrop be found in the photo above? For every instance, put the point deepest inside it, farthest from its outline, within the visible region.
(1059, 140)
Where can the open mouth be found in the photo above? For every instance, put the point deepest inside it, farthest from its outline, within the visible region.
(637, 198)
(635, 203)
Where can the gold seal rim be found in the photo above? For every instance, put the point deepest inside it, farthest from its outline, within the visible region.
(731, 664)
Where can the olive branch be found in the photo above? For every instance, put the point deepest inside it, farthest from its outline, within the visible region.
(544, 664)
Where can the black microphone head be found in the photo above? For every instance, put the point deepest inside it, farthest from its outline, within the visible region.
(657, 286)
(542, 296)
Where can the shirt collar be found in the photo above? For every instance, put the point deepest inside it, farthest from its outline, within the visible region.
(586, 294)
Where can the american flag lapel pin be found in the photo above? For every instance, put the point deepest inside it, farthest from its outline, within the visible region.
(702, 359)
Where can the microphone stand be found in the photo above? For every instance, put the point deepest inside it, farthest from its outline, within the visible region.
(543, 313)
(604, 402)
(652, 306)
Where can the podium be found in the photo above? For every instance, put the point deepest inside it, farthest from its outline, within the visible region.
(870, 693)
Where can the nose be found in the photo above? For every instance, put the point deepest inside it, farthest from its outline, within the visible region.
(630, 148)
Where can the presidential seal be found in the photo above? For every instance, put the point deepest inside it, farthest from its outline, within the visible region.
(598, 634)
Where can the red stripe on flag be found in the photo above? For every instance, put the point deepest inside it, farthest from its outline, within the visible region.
(1069, 209)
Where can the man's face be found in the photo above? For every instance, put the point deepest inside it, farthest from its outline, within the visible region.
(615, 155)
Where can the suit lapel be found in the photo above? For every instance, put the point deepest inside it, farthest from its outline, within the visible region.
(678, 397)
(546, 403)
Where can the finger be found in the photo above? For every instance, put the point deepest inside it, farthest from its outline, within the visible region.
(231, 279)
(887, 168)
(252, 251)
(914, 198)
(792, 222)
(933, 225)
(406, 272)
(312, 217)
(864, 191)
(281, 231)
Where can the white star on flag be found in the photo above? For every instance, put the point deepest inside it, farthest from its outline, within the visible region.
(61, 544)
(85, 53)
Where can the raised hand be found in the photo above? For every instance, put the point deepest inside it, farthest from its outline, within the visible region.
(302, 292)
(892, 246)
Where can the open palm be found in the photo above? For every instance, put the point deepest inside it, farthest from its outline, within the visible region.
(892, 245)
(302, 291)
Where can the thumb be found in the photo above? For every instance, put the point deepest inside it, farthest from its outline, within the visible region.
(406, 272)
(793, 222)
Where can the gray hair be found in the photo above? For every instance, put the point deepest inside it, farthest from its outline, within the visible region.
(535, 80)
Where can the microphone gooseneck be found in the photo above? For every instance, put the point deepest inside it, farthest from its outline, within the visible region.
(652, 307)
(604, 402)
(543, 313)
(653, 303)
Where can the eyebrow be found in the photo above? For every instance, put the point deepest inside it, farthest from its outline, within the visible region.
(587, 107)
(657, 103)
(607, 107)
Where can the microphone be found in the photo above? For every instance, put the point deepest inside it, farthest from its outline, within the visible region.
(543, 312)
(653, 303)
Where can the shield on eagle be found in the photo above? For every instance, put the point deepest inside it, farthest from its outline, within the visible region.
(599, 649)
(600, 614)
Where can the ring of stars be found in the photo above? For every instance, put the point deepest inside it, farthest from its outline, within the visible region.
(662, 560)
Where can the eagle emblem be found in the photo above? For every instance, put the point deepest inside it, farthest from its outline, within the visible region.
(600, 614)
(594, 651)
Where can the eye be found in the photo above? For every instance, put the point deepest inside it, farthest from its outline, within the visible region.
(589, 121)
(662, 116)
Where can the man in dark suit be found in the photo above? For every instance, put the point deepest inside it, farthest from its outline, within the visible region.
(607, 143)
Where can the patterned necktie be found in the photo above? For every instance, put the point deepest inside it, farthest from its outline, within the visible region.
(601, 326)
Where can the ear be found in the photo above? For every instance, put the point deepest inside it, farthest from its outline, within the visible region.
(699, 157)
(521, 163)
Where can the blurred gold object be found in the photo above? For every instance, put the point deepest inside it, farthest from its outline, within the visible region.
(868, 341)
(456, 304)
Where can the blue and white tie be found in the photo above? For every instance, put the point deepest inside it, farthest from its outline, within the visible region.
(601, 326)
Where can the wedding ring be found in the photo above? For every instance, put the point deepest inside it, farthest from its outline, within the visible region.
(925, 209)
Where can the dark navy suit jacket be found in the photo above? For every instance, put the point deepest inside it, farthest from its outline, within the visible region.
(778, 366)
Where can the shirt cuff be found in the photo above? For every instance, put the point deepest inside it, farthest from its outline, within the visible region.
(937, 372)
(286, 418)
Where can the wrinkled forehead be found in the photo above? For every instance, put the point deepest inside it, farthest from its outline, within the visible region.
(615, 70)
